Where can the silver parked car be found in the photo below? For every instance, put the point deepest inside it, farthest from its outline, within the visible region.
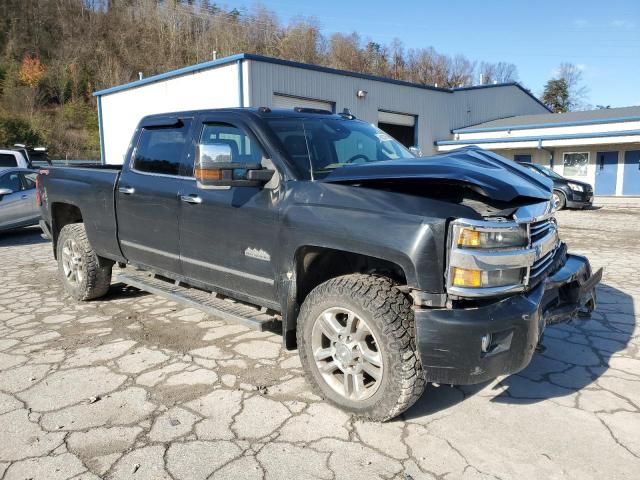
(18, 206)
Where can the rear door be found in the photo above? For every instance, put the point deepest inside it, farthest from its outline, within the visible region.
(147, 196)
(15, 208)
(28, 180)
(229, 234)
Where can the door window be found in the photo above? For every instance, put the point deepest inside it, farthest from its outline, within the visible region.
(160, 149)
(244, 149)
(11, 181)
(28, 180)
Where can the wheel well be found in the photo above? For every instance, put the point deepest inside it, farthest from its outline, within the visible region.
(62, 214)
(316, 265)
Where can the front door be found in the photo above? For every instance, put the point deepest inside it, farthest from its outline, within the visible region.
(229, 233)
(606, 173)
(631, 183)
(148, 201)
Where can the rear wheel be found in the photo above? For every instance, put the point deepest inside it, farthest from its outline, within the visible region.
(357, 344)
(84, 275)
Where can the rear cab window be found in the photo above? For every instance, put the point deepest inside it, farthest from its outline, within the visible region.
(8, 160)
(160, 149)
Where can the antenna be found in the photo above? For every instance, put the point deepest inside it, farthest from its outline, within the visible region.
(306, 141)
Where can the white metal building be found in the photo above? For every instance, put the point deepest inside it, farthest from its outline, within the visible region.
(415, 114)
(600, 147)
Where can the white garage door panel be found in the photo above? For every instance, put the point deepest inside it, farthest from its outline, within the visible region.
(396, 119)
(284, 101)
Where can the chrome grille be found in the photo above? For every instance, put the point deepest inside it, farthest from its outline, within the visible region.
(539, 235)
(538, 230)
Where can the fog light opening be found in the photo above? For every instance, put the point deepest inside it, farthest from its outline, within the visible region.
(485, 342)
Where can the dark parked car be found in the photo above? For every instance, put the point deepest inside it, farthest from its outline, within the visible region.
(386, 271)
(566, 193)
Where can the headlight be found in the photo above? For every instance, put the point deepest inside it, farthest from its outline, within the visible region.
(469, 237)
(467, 278)
(576, 187)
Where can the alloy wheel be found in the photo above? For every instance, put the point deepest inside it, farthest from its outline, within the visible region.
(347, 353)
(72, 262)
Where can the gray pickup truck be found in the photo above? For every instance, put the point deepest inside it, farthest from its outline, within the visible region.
(386, 271)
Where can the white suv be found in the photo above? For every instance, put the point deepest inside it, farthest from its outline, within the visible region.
(13, 158)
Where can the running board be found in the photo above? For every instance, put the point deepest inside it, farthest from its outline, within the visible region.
(222, 307)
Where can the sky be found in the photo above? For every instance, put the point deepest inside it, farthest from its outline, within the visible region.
(601, 37)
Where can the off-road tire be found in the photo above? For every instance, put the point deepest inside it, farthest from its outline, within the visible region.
(387, 312)
(562, 199)
(97, 272)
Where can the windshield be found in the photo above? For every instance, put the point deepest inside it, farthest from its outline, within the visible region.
(547, 172)
(316, 146)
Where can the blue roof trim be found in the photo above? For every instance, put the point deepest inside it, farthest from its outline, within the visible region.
(316, 68)
(548, 125)
(474, 141)
(506, 84)
(173, 73)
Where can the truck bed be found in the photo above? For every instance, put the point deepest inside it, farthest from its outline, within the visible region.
(90, 188)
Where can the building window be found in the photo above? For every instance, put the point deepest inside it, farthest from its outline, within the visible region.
(575, 164)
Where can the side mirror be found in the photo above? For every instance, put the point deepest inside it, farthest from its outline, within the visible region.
(416, 150)
(5, 191)
(215, 168)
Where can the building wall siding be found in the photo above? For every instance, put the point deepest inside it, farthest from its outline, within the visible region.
(123, 110)
(438, 111)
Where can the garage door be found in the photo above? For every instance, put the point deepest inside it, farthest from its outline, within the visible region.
(399, 125)
(289, 103)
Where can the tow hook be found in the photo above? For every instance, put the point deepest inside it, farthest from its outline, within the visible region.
(586, 310)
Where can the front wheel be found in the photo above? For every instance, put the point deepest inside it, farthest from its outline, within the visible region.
(559, 200)
(84, 275)
(356, 339)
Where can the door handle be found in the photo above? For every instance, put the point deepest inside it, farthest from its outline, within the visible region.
(24, 197)
(191, 199)
(127, 190)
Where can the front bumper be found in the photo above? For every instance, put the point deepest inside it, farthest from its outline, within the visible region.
(580, 199)
(450, 340)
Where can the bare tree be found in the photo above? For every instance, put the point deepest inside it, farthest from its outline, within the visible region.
(578, 92)
(91, 44)
(500, 72)
(460, 71)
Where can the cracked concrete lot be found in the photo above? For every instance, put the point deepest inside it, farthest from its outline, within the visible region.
(136, 387)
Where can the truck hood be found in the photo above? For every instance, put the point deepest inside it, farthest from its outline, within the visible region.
(485, 172)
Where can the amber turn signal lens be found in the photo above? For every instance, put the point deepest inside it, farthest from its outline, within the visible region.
(469, 238)
(467, 278)
(208, 174)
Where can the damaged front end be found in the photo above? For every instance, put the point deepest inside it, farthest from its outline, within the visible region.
(507, 279)
(507, 275)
